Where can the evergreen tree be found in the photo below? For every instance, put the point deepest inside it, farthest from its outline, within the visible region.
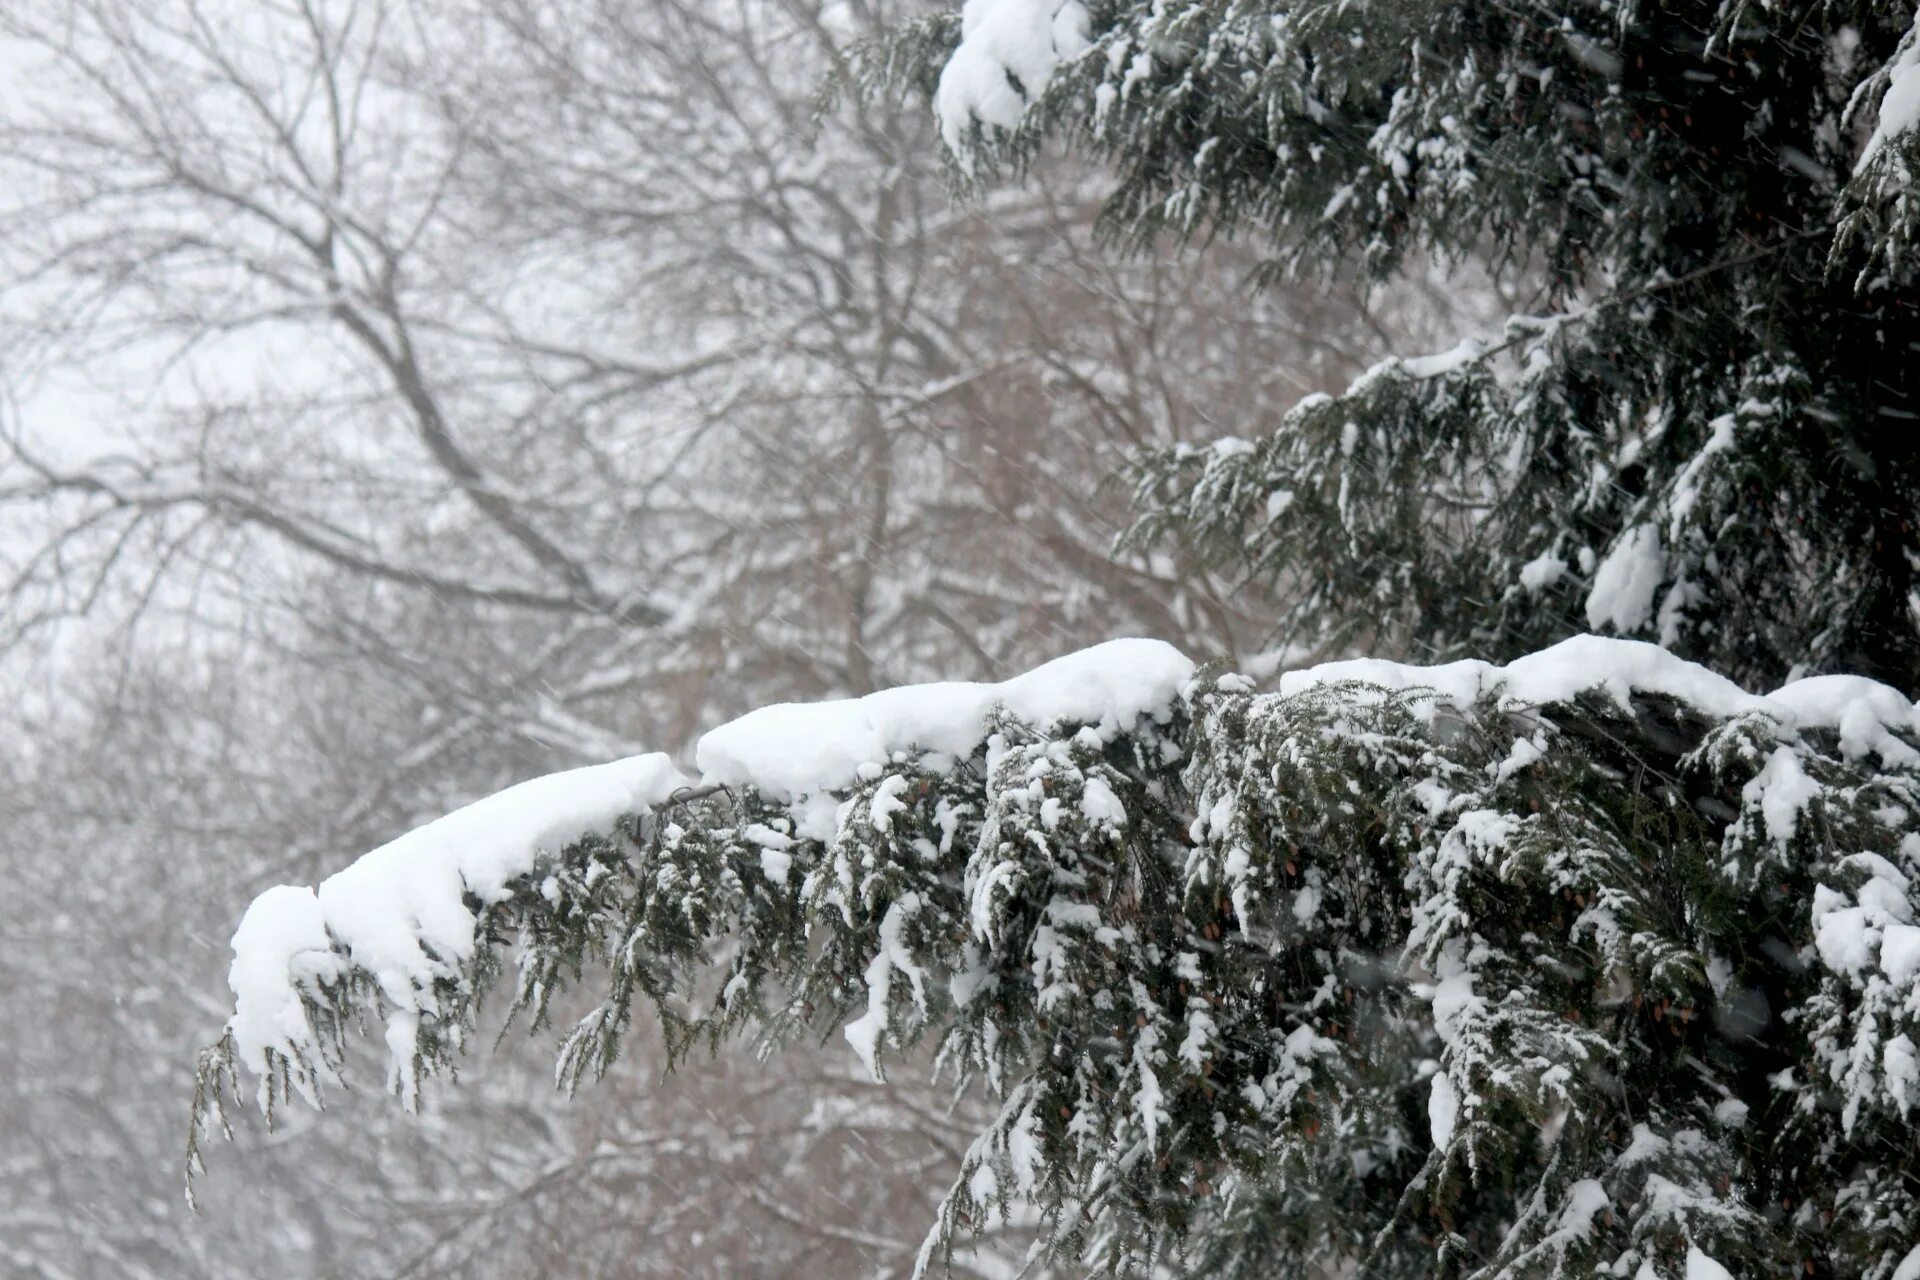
(1706, 431)
(1588, 965)
(1591, 963)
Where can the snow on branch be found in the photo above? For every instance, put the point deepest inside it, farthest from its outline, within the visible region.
(404, 916)
(405, 923)
(794, 750)
(1596, 933)
(1879, 209)
(1008, 52)
(1899, 83)
(1864, 713)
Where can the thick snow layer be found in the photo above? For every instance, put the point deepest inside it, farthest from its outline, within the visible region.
(1583, 1200)
(1900, 107)
(1701, 1267)
(792, 749)
(1780, 791)
(281, 940)
(400, 913)
(1847, 927)
(1556, 674)
(1863, 712)
(1859, 709)
(1627, 580)
(1542, 572)
(1900, 953)
(1008, 52)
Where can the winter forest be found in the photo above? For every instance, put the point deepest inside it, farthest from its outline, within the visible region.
(1007, 638)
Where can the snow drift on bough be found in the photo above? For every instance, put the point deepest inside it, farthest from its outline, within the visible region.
(1589, 964)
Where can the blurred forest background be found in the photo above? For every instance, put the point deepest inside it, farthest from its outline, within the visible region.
(405, 397)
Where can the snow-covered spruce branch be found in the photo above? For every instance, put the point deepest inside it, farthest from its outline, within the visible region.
(1589, 964)
(1880, 212)
(1737, 244)
(1457, 497)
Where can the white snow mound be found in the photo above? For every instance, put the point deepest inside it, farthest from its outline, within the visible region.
(791, 750)
(1900, 105)
(1862, 711)
(400, 912)
(1003, 42)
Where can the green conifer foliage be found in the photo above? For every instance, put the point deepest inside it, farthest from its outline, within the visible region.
(1706, 429)
(1577, 967)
